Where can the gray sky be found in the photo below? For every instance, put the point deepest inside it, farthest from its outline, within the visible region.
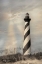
(14, 11)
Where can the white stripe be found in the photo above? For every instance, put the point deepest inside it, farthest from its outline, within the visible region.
(27, 28)
(26, 23)
(28, 51)
(26, 40)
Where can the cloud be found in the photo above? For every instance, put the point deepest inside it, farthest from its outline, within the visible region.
(11, 41)
(18, 8)
(1, 43)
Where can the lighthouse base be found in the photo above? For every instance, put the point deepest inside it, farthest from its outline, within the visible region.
(28, 52)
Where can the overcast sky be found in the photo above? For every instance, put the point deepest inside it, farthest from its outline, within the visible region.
(12, 13)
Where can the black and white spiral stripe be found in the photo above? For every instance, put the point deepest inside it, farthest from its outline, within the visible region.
(27, 42)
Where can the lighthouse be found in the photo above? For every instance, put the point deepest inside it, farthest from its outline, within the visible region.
(27, 39)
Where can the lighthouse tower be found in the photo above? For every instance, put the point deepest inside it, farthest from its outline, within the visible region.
(27, 41)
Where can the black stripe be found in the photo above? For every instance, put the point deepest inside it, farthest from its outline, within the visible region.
(27, 33)
(26, 25)
(27, 46)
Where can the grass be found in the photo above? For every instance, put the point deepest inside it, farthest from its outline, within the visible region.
(18, 57)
